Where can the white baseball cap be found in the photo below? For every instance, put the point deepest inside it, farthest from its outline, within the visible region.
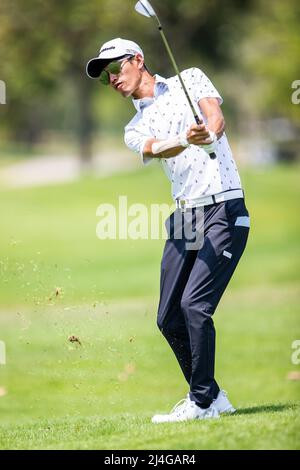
(114, 49)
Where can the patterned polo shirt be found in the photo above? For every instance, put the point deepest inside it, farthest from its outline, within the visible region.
(192, 173)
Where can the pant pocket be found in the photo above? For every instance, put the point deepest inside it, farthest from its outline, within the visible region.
(237, 213)
(238, 225)
(235, 249)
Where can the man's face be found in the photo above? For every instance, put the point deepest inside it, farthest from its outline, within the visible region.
(130, 76)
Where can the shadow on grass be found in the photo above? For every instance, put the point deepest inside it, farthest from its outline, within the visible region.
(266, 409)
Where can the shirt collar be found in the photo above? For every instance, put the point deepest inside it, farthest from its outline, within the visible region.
(160, 86)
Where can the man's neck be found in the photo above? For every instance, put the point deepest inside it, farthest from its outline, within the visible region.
(146, 87)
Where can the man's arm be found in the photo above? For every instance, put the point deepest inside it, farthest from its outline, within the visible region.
(196, 135)
(172, 152)
(211, 110)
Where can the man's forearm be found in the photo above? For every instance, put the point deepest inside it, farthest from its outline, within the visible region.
(213, 115)
(161, 151)
(197, 134)
(170, 153)
(216, 124)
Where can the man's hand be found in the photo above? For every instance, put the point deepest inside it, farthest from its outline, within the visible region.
(198, 134)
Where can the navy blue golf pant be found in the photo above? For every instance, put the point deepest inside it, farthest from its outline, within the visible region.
(191, 286)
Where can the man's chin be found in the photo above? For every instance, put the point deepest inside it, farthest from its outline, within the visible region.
(125, 93)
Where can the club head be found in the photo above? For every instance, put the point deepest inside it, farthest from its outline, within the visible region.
(144, 8)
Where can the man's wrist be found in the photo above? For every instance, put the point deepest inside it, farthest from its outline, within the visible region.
(211, 147)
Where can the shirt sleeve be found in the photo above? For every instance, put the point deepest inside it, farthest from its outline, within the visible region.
(135, 137)
(202, 86)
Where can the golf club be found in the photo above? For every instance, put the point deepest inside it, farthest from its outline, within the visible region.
(144, 8)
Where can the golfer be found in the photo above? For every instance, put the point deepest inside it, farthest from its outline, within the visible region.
(192, 280)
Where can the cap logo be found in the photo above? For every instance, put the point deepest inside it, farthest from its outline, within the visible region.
(108, 48)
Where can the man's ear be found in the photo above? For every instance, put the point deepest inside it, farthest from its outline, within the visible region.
(140, 61)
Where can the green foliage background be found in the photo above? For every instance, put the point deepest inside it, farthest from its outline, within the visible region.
(250, 48)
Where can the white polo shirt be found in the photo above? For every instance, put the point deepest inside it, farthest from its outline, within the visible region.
(192, 173)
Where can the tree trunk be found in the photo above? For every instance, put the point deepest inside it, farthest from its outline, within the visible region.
(85, 122)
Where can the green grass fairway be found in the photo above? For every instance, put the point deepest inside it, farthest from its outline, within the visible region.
(101, 394)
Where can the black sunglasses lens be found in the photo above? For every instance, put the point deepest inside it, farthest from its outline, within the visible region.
(104, 77)
(114, 68)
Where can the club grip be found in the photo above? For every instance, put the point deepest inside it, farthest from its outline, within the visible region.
(198, 121)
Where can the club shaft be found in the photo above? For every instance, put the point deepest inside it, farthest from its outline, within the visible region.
(177, 72)
(171, 56)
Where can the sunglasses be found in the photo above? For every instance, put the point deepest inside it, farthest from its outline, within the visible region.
(113, 68)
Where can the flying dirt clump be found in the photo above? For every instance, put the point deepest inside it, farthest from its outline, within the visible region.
(58, 291)
(74, 339)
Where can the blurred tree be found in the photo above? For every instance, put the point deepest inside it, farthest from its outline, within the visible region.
(267, 59)
(45, 46)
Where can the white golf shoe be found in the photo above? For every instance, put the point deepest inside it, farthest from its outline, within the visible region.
(186, 410)
(222, 403)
